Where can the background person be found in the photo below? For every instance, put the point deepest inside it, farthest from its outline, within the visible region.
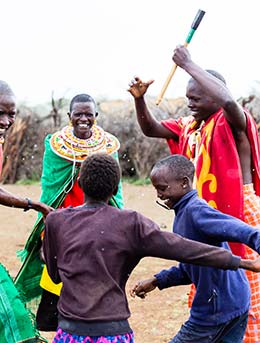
(65, 151)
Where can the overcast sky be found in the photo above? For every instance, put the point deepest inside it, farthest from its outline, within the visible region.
(96, 46)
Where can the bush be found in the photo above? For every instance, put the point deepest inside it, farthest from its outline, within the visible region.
(23, 149)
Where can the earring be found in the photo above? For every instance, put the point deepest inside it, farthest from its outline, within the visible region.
(95, 122)
(70, 123)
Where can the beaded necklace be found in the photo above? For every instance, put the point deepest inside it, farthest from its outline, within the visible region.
(65, 144)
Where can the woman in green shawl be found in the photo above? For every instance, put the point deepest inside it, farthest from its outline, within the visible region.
(65, 150)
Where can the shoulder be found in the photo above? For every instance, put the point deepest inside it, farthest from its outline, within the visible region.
(196, 206)
(47, 138)
(131, 216)
(58, 214)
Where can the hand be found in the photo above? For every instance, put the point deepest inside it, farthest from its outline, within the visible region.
(43, 208)
(138, 88)
(181, 56)
(143, 287)
(42, 258)
(252, 265)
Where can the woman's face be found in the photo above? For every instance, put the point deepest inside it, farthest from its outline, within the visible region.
(82, 118)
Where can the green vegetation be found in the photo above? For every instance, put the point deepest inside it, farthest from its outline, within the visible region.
(29, 181)
(137, 181)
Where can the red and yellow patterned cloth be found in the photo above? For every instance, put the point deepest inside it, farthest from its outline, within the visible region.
(218, 172)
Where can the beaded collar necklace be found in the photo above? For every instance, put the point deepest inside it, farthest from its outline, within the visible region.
(65, 144)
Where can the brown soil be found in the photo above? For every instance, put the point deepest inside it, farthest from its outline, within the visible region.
(154, 319)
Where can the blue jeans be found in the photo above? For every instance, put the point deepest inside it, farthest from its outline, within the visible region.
(229, 332)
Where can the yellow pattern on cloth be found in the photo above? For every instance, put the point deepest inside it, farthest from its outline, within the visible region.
(47, 283)
(252, 217)
(194, 146)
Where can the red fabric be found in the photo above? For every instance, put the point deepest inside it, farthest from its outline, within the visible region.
(75, 197)
(218, 171)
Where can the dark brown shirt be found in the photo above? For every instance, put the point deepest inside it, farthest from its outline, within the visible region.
(94, 250)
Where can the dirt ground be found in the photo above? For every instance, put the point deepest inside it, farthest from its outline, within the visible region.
(154, 319)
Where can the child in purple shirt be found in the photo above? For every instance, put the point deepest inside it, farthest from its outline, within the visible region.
(93, 249)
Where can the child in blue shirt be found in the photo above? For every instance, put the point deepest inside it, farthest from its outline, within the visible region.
(220, 308)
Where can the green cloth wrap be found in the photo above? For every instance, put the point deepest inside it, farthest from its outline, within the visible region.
(16, 322)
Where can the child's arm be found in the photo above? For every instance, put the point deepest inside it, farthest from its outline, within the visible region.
(252, 265)
(141, 288)
(220, 227)
(174, 276)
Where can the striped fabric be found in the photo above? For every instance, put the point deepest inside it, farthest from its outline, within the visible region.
(64, 337)
(252, 217)
(16, 324)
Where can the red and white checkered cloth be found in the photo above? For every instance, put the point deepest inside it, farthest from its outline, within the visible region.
(252, 217)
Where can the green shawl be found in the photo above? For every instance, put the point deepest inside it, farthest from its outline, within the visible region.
(16, 322)
(58, 177)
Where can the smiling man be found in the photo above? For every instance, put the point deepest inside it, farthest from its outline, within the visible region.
(15, 321)
(7, 118)
(7, 113)
(221, 139)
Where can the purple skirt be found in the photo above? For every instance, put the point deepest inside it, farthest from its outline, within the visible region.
(64, 337)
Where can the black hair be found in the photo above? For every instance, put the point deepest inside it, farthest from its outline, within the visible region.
(99, 176)
(217, 75)
(214, 73)
(5, 89)
(81, 98)
(179, 165)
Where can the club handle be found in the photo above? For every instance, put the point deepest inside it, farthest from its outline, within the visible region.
(194, 26)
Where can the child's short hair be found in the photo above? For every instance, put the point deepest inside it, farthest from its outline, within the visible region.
(99, 176)
(178, 164)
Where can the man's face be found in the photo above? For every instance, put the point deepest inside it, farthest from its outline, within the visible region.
(7, 113)
(82, 118)
(169, 188)
(200, 104)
